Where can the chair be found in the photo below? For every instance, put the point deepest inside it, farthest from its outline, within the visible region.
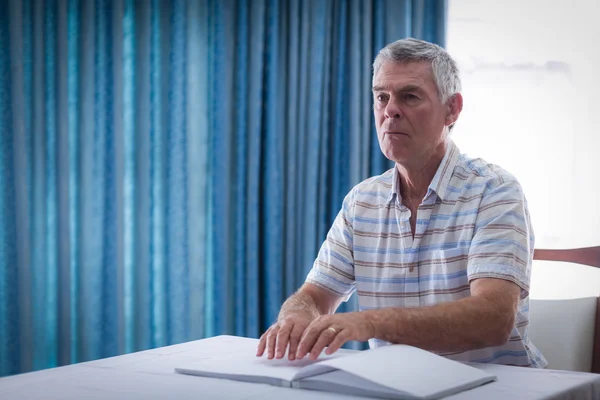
(567, 332)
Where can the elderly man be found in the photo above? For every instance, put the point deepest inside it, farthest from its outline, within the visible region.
(439, 248)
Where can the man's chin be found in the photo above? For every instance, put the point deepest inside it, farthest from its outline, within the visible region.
(397, 157)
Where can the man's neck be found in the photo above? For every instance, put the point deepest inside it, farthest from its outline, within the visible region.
(416, 178)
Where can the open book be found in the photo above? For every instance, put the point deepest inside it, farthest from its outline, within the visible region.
(391, 372)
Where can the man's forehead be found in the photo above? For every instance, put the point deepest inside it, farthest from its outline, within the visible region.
(391, 75)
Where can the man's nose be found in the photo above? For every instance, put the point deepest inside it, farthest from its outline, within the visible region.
(392, 110)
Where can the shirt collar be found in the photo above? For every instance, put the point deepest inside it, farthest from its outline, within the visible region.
(441, 179)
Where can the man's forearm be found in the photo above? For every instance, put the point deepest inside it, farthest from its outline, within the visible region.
(299, 303)
(466, 324)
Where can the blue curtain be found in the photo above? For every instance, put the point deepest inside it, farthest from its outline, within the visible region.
(168, 169)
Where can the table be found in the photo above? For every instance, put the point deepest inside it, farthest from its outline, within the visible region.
(150, 375)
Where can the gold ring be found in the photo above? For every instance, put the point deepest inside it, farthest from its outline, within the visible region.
(332, 329)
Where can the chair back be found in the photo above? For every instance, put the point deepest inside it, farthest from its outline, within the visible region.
(567, 332)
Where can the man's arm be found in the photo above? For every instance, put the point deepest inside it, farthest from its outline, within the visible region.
(484, 319)
(312, 300)
(296, 314)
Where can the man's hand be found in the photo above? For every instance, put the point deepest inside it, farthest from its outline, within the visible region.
(296, 314)
(333, 331)
(284, 332)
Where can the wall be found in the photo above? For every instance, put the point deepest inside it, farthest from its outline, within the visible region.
(530, 91)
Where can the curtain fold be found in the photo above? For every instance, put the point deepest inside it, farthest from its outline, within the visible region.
(169, 169)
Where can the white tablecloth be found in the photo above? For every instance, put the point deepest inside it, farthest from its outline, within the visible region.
(150, 375)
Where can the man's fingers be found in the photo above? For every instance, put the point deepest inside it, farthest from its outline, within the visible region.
(338, 341)
(306, 342)
(262, 343)
(295, 336)
(325, 338)
(308, 339)
(271, 340)
(283, 337)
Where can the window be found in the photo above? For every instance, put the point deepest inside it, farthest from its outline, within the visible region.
(531, 95)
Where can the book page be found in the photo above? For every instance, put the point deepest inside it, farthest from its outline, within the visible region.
(249, 368)
(407, 369)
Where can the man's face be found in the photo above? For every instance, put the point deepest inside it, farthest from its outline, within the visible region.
(409, 115)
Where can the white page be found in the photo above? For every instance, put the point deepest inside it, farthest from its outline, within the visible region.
(233, 357)
(337, 381)
(250, 368)
(408, 369)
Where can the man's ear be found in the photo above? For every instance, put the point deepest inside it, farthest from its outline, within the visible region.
(455, 105)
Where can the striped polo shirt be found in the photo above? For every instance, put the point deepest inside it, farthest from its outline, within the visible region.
(472, 223)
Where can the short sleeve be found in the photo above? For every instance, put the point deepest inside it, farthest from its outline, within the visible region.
(503, 241)
(333, 269)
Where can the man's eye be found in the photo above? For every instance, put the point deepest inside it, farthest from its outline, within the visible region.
(410, 96)
(381, 97)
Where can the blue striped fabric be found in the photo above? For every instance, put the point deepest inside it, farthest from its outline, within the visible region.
(473, 223)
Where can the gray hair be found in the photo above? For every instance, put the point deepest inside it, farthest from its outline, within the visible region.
(445, 71)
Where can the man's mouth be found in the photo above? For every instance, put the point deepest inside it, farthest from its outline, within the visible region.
(394, 133)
